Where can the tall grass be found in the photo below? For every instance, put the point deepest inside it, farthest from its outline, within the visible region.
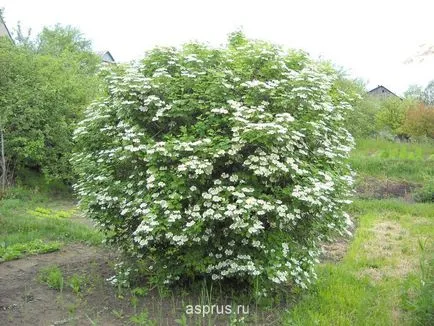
(401, 161)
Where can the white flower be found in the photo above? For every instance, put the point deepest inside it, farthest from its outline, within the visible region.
(191, 223)
(233, 178)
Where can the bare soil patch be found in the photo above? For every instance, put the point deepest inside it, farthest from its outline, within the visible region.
(335, 251)
(374, 188)
(25, 301)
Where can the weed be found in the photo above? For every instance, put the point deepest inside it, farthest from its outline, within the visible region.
(53, 277)
(143, 319)
(77, 283)
(182, 321)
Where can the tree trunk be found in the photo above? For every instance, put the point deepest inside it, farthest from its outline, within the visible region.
(3, 162)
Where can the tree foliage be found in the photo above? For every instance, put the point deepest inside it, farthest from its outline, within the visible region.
(425, 95)
(419, 121)
(221, 163)
(42, 94)
(391, 115)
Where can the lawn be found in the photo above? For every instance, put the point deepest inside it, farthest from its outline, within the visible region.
(386, 275)
(34, 222)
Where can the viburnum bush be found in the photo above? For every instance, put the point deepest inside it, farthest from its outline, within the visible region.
(228, 163)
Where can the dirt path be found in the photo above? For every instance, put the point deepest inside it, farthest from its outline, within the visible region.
(25, 301)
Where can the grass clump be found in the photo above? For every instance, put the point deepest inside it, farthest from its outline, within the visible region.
(417, 295)
(53, 277)
(142, 319)
(78, 283)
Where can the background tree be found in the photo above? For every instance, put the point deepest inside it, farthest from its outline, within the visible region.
(391, 115)
(414, 92)
(419, 121)
(428, 94)
(45, 85)
(16, 79)
(360, 122)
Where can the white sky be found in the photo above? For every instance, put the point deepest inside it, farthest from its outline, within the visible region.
(371, 39)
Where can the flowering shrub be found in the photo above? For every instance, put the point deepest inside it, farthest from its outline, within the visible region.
(222, 163)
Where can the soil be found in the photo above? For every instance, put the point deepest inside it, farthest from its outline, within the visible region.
(381, 189)
(334, 251)
(24, 300)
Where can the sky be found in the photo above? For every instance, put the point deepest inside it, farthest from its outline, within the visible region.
(371, 39)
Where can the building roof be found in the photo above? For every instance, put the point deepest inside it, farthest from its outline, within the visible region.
(380, 90)
(106, 56)
(4, 31)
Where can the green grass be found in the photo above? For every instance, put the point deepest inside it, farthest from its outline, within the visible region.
(52, 276)
(78, 283)
(382, 262)
(399, 161)
(39, 224)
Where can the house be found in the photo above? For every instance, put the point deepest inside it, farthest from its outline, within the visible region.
(4, 30)
(382, 92)
(106, 56)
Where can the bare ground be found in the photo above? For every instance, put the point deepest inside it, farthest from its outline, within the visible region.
(25, 301)
(379, 189)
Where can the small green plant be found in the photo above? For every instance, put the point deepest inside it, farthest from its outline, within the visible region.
(135, 293)
(78, 283)
(426, 193)
(182, 321)
(140, 292)
(237, 320)
(118, 313)
(143, 319)
(53, 277)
